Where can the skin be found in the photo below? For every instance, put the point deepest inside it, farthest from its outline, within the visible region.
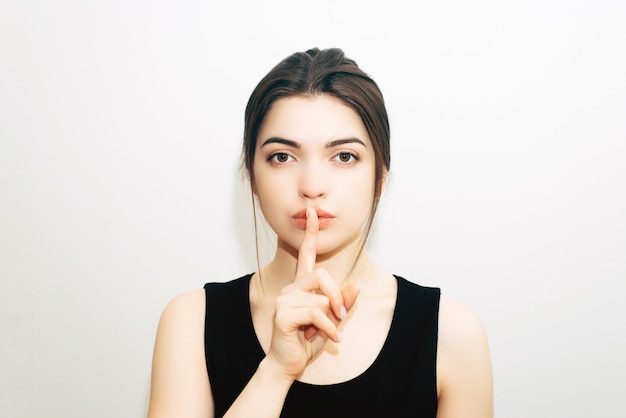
(315, 324)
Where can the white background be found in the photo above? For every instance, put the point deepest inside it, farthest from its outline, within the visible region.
(120, 131)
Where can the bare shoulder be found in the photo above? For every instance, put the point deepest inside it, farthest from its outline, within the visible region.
(180, 384)
(182, 322)
(464, 375)
(458, 323)
(189, 306)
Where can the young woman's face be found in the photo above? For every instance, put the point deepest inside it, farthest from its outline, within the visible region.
(314, 152)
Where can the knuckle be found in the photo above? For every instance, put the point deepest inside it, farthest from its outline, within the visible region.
(282, 302)
(316, 315)
(281, 316)
(321, 272)
(324, 301)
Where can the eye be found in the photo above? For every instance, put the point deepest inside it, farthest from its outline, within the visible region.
(345, 157)
(279, 158)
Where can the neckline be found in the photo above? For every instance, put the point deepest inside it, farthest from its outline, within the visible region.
(377, 360)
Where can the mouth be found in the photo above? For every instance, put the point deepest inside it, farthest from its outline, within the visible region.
(324, 218)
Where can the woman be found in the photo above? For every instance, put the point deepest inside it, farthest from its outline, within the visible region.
(321, 330)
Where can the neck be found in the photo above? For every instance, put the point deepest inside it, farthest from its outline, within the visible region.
(345, 264)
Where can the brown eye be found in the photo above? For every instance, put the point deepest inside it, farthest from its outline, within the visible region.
(279, 158)
(346, 157)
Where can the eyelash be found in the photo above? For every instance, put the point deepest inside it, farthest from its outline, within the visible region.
(353, 157)
(272, 158)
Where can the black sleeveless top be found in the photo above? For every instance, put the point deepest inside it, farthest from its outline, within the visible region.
(401, 382)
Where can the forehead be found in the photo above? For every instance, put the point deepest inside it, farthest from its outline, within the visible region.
(308, 119)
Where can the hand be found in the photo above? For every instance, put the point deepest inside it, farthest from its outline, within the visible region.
(304, 319)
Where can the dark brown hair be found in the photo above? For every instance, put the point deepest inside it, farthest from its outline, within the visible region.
(322, 72)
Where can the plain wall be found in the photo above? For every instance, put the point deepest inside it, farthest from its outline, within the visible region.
(120, 130)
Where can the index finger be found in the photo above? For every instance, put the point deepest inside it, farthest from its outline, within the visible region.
(308, 248)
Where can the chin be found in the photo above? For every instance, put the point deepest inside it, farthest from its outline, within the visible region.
(328, 249)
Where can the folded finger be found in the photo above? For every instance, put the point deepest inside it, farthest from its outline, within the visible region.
(320, 280)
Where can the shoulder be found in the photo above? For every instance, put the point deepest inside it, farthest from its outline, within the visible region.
(464, 376)
(187, 306)
(180, 382)
(462, 336)
(180, 331)
(458, 323)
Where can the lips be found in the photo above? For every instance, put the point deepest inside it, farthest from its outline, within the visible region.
(324, 218)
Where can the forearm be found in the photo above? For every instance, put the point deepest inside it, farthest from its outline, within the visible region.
(263, 396)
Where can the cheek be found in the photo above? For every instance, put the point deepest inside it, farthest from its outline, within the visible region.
(271, 195)
(266, 182)
(359, 183)
(357, 195)
(266, 195)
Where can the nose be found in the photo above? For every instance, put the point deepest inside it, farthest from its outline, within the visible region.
(313, 183)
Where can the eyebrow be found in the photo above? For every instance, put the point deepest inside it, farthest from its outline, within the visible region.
(283, 141)
(294, 144)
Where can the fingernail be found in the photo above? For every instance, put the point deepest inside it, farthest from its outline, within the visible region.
(339, 337)
(343, 312)
(308, 210)
(312, 338)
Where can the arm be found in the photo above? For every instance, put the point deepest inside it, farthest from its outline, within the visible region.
(303, 321)
(263, 396)
(180, 384)
(291, 350)
(464, 376)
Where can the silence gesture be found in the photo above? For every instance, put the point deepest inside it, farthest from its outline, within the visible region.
(309, 308)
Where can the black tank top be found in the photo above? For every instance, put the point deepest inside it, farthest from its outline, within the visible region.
(401, 382)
